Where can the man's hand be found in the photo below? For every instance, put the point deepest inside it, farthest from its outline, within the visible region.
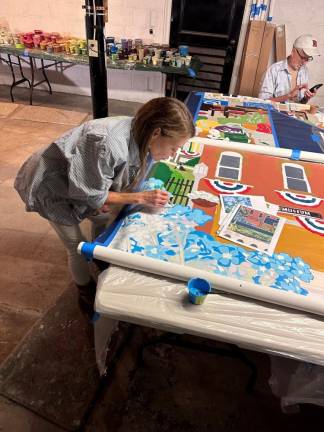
(294, 92)
(309, 94)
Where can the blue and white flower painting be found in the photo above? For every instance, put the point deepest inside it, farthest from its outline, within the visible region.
(172, 235)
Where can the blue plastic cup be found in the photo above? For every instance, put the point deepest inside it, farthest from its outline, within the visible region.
(198, 290)
(183, 50)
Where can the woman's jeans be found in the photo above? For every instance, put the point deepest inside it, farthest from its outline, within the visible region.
(71, 236)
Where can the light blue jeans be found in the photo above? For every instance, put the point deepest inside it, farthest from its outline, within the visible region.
(71, 236)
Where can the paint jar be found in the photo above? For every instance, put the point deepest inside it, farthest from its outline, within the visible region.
(43, 45)
(140, 54)
(49, 48)
(198, 290)
(110, 40)
(157, 53)
(67, 46)
(71, 48)
(54, 37)
(27, 40)
(114, 57)
(154, 61)
(84, 51)
(130, 44)
(178, 62)
(56, 48)
(124, 44)
(47, 37)
(138, 43)
(183, 50)
(188, 60)
(82, 43)
(16, 39)
(36, 40)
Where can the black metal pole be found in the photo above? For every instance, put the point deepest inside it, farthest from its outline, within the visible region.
(95, 25)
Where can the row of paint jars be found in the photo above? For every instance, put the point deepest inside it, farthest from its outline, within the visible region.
(50, 42)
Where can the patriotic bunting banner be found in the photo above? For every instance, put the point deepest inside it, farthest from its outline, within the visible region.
(226, 187)
(300, 199)
(192, 154)
(316, 226)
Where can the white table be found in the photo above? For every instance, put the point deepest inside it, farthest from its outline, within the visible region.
(153, 301)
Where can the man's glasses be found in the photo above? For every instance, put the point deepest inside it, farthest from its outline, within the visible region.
(304, 58)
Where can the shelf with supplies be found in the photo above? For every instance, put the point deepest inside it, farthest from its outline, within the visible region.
(18, 56)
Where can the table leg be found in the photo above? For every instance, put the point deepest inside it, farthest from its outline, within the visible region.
(14, 82)
(174, 83)
(45, 77)
(31, 62)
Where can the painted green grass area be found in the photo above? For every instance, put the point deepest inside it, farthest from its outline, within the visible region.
(251, 232)
(165, 171)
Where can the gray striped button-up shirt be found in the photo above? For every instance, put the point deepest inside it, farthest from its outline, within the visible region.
(277, 81)
(71, 178)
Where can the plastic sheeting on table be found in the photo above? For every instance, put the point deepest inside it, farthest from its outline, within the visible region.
(162, 303)
(128, 295)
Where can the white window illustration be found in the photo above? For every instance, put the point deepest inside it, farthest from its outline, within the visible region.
(229, 166)
(295, 178)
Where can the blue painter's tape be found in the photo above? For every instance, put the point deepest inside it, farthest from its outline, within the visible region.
(87, 250)
(198, 290)
(295, 154)
(191, 73)
(198, 105)
(316, 138)
(274, 133)
(95, 317)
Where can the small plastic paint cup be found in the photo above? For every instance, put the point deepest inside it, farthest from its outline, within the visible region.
(187, 60)
(183, 50)
(198, 290)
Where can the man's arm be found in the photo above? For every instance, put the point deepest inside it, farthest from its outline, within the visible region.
(289, 96)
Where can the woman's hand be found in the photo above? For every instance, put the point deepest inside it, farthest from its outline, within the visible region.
(154, 198)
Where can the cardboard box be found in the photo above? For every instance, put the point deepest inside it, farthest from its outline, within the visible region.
(267, 42)
(280, 37)
(250, 58)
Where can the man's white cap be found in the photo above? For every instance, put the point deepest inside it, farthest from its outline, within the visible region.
(308, 44)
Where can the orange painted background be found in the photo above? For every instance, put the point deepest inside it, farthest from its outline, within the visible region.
(264, 173)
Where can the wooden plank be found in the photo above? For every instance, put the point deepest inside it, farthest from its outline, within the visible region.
(280, 37)
(266, 47)
(249, 62)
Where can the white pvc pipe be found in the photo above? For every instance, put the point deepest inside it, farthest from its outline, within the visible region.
(262, 149)
(240, 46)
(218, 282)
(271, 10)
(265, 9)
(258, 11)
(252, 9)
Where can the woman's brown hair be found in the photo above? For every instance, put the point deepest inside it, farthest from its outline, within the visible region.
(165, 113)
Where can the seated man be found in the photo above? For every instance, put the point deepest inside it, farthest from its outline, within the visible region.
(287, 80)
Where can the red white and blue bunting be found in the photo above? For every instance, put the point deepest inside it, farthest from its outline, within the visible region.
(191, 154)
(227, 187)
(300, 199)
(316, 226)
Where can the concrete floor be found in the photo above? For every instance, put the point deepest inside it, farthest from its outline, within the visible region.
(169, 388)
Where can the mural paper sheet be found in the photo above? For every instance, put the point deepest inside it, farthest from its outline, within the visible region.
(186, 232)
